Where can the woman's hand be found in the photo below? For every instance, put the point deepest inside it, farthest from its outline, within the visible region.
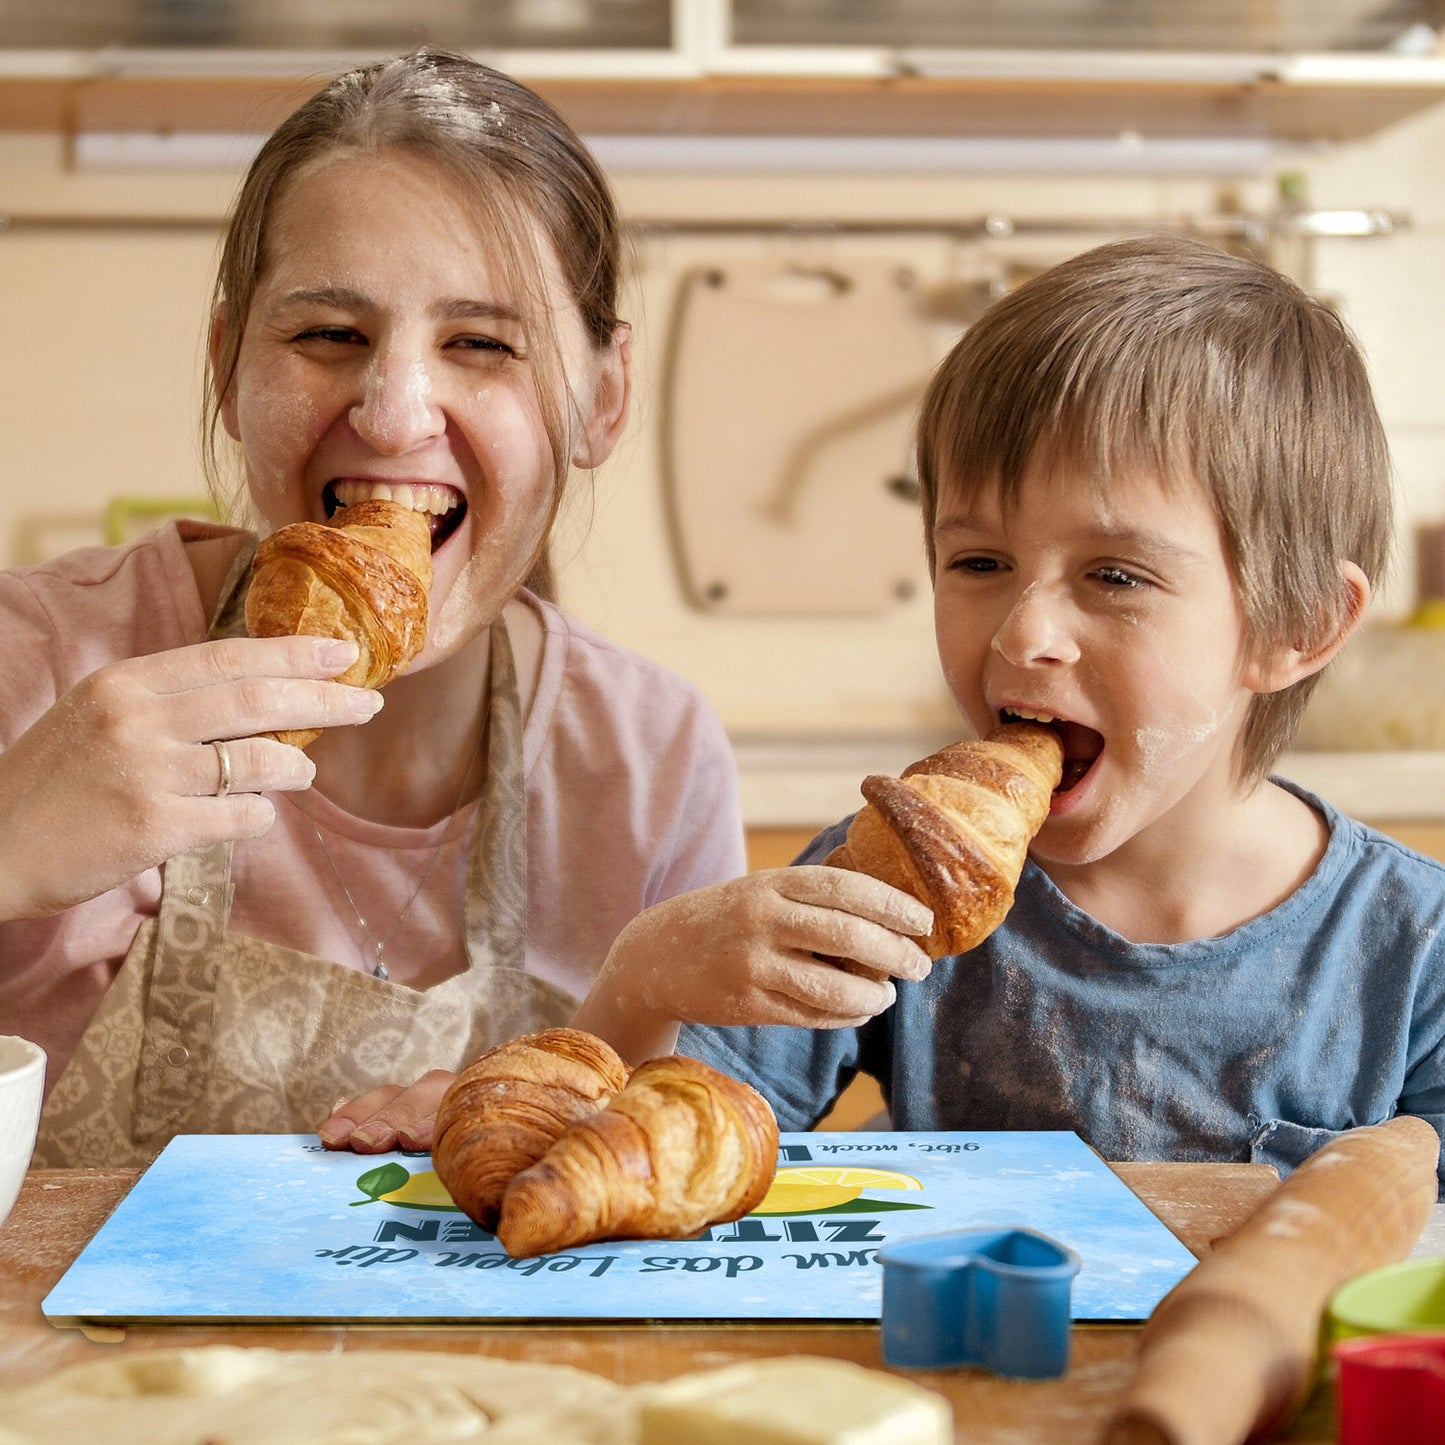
(813, 946)
(394, 1116)
(120, 774)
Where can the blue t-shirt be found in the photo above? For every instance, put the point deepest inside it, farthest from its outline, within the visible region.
(1261, 1045)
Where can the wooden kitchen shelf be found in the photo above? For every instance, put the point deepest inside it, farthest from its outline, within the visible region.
(1275, 108)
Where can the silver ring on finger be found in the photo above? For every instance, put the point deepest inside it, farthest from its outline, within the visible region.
(223, 758)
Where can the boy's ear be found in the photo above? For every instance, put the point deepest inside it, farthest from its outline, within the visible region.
(1277, 668)
(611, 396)
(228, 402)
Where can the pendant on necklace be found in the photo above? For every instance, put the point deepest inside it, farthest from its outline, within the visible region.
(380, 971)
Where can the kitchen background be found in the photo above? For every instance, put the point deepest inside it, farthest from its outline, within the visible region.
(823, 192)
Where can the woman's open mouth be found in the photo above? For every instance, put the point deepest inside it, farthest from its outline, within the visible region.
(1082, 745)
(444, 506)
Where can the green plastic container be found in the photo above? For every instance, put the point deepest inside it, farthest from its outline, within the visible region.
(1400, 1299)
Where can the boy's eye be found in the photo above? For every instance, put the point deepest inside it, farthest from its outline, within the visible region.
(975, 564)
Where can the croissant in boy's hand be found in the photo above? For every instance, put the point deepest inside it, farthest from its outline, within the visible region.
(569, 1155)
(364, 575)
(955, 829)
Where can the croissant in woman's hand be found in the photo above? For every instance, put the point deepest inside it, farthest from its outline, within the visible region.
(365, 575)
(955, 829)
(510, 1105)
(681, 1147)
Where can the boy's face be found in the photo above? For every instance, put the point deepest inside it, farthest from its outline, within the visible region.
(1113, 609)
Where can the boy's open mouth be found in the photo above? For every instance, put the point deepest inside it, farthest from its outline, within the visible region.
(1082, 745)
(444, 506)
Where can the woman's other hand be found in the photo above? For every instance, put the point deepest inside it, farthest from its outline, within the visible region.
(394, 1116)
(124, 772)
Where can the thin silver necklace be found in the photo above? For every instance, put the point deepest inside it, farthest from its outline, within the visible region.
(378, 945)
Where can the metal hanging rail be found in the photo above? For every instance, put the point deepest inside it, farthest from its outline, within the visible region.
(1224, 226)
(62, 221)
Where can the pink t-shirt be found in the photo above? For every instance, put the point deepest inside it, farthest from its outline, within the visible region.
(630, 782)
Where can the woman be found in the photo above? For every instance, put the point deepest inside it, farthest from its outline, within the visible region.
(210, 930)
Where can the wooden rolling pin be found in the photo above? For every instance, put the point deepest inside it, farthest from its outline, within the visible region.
(1229, 1354)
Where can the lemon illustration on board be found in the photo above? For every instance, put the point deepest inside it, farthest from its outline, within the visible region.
(395, 1184)
(834, 1189)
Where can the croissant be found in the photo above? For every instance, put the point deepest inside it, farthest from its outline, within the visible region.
(507, 1108)
(364, 575)
(681, 1147)
(955, 829)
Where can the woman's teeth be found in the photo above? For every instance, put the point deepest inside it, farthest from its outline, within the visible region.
(419, 497)
(1022, 714)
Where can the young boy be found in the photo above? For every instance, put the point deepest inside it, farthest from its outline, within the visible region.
(1156, 496)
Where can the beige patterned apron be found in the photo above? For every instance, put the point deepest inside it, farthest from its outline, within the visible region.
(205, 1031)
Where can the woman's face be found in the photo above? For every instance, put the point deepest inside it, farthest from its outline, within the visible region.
(385, 356)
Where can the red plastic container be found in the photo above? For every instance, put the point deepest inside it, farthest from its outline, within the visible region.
(1390, 1390)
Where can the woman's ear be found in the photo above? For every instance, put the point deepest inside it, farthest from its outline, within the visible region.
(1277, 668)
(611, 396)
(214, 348)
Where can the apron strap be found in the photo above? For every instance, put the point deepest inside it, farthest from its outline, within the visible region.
(229, 618)
(175, 1048)
(496, 891)
(195, 907)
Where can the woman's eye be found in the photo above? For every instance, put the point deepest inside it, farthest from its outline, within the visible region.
(339, 335)
(485, 344)
(1118, 577)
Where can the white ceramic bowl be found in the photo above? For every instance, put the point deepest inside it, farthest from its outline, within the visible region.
(22, 1082)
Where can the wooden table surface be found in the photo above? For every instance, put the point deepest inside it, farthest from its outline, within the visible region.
(59, 1210)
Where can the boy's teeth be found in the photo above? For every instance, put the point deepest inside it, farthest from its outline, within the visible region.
(1027, 716)
(422, 497)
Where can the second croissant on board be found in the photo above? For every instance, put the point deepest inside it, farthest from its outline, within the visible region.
(954, 830)
(547, 1141)
(365, 576)
(681, 1147)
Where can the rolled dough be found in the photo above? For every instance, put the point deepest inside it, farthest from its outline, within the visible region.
(227, 1395)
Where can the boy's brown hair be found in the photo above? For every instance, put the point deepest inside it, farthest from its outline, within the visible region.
(1167, 357)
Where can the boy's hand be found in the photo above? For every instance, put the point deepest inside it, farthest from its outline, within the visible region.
(812, 946)
(394, 1116)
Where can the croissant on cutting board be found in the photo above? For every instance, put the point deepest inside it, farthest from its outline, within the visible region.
(510, 1105)
(662, 1154)
(363, 575)
(955, 829)
(681, 1147)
